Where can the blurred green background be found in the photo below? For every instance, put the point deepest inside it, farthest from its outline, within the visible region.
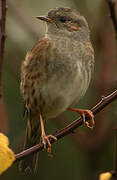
(84, 154)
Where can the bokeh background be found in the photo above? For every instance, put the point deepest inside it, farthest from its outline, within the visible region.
(84, 154)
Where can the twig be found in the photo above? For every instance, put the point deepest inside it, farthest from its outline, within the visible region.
(2, 38)
(111, 4)
(71, 127)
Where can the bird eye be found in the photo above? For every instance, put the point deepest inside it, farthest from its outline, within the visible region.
(63, 19)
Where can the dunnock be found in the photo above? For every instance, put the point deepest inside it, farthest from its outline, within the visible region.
(55, 75)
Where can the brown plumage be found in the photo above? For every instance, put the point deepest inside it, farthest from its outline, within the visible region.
(55, 75)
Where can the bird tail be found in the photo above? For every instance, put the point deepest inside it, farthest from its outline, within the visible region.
(33, 134)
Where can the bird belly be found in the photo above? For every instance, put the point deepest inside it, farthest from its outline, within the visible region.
(60, 93)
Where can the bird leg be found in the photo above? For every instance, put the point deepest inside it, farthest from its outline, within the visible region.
(45, 138)
(83, 114)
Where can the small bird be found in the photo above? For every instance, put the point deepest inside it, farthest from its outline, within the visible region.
(55, 76)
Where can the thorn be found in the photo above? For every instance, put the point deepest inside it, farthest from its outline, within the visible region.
(103, 97)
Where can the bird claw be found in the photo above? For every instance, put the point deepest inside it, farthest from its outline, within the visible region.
(83, 114)
(91, 116)
(46, 142)
(87, 125)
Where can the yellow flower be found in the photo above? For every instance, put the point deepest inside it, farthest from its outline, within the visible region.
(6, 154)
(105, 176)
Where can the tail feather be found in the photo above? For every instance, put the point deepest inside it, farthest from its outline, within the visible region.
(30, 163)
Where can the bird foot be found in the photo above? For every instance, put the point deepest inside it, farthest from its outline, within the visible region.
(46, 141)
(83, 114)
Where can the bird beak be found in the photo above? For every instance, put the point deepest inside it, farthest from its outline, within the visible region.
(44, 18)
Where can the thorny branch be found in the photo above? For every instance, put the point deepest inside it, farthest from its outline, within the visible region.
(71, 127)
